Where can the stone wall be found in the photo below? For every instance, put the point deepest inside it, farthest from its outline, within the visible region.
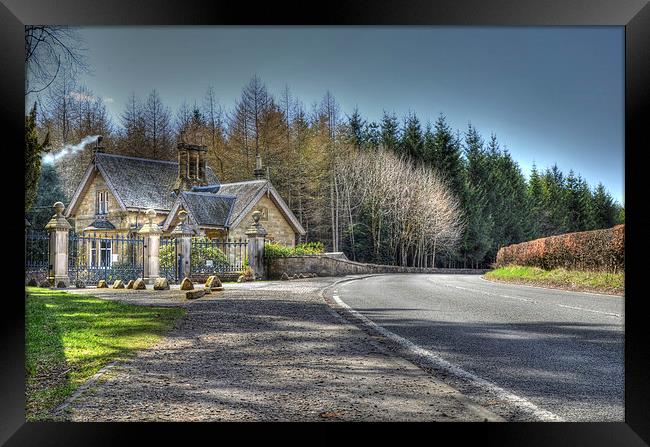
(323, 265)
(277, 227)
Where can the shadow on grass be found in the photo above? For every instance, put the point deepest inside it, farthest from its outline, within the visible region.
(70, 337)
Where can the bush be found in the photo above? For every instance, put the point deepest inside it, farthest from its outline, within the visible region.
(585, 250)
(202, 250)
(275, 250)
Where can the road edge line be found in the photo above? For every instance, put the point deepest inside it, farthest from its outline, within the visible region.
(429, 358)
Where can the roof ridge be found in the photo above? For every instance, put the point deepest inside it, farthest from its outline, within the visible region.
(212, 194)
(243, 181)
(104, 154)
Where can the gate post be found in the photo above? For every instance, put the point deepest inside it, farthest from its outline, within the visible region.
(184, 232)
(151, 233)
(58, 228)
(256, 234)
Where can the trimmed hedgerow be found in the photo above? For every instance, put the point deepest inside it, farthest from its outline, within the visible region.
(585, 250)
(274, 250)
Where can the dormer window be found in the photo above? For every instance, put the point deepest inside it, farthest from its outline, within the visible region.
(102, 202)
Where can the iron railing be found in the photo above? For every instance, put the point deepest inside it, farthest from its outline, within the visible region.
(109, 257)
(37, 255)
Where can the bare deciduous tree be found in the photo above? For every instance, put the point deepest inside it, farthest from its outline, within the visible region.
(49, 51)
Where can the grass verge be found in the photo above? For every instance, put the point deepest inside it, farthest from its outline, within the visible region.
(599, 282)
(69, 337)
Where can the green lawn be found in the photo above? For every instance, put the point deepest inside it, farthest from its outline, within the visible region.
(69, 337)
(601, 282)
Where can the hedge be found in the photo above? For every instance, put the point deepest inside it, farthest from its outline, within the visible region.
(274, 250)
(585, 250)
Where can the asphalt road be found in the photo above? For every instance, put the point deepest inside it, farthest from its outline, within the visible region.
(560, 351)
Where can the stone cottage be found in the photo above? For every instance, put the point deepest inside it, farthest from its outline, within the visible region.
(116, 191)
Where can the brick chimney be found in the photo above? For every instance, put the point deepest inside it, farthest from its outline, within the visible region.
(191, 167)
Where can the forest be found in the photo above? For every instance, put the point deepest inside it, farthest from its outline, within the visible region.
(405, 190)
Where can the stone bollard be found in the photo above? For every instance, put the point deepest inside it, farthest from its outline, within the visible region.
(58, 228)
(118, 284)
(256, 234)
(102, 284)
(139, 284)
(161, 284)
(151, 232)
(129, 285)
(186, 284)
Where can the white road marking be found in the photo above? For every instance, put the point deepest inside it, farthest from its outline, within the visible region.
(439, 363)
(611, 314)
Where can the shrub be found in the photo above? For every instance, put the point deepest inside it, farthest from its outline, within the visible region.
(585, 250)
(275, 250)
(202, 250)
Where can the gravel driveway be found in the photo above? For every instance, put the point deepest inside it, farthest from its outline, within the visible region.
(265, 351)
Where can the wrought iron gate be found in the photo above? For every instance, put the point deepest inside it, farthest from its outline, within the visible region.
(214, 256)
(108, 257)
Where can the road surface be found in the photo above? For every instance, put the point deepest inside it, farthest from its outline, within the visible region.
(557, 352)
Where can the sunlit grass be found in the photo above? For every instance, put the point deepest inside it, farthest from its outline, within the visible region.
(69, 337)
(603, 282)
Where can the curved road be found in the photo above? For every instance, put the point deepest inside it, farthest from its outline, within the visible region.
(561, 351)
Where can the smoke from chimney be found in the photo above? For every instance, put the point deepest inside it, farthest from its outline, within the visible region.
(69, 149)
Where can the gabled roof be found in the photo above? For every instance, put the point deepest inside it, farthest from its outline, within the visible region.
(136, 182)
(248, 193)
(245, 193)
(207, 209)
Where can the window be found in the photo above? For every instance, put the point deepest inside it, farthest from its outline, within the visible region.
(101, 253)
(102, 202)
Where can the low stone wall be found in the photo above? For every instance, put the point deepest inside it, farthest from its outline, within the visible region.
(323, 265)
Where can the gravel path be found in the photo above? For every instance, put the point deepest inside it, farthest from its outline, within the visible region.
(266, 351)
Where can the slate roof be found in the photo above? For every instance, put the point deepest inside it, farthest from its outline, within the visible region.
(142, 182)
(207, 188)
(245, 193)
(100, 225)
(208, 208)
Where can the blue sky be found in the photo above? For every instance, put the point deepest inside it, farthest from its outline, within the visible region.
(551, 94)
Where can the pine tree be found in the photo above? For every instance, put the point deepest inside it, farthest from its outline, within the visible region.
(477, 239)
(356, 130)
(605, 212)
(372, 135)
(554, 202)
(33, 152)
(390, 132)
(446, 155)
(536, 203)
(412, 142)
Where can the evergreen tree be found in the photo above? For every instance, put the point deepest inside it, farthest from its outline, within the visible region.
(33, 152)
(372, 135)
(477, 239)
(446, 155)
(554, 202)
(356, 130)
(49, 192)
(389, 132)
(412, 142)
(605, 212)
(536, 203)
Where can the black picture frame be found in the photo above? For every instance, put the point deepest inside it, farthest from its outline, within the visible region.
(634, 15)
